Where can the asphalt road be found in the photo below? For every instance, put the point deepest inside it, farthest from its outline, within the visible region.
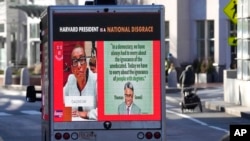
(20, 121)
(196, 126)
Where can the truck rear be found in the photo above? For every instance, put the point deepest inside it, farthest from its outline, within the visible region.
(103, 75)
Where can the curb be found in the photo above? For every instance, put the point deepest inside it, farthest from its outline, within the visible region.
(18, 87)
(213, 105)
(172, 90)
(228, 108)
(177, 90)
(221, 106)
(14, 87)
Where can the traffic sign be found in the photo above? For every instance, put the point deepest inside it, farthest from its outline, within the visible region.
(232, 41)
(231, 11)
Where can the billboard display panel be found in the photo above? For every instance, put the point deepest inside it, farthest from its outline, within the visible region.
(106, 66)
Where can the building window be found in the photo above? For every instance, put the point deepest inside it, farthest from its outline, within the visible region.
(167, 29)
(34, 31)
(2, 41)
(200, 39)
(210, 39)
(24, 37)
(1, 27)
(35, 51)
(210, 25)
(205, 39)
(167, 37)
(13, 44)
(233, 45)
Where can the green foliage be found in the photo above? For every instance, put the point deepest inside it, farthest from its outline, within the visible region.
(16, 71)
(211, 68)
(1, 71)
(167, 66)
(204, 66)
(36, 70)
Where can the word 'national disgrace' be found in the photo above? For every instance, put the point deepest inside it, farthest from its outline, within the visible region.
(130, 29)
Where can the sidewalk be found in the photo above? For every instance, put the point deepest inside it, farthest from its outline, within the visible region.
(199, 86)
(217, 105)
(17, 87)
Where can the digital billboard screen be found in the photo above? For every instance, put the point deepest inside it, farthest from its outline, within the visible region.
(106, 66)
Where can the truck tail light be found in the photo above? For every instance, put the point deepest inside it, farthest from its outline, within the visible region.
(58, 136)
(149, 135)
(157, 135)
(66, 136)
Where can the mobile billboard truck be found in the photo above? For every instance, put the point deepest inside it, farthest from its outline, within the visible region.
(103, 75)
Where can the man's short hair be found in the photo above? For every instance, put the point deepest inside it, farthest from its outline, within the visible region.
(129, 85)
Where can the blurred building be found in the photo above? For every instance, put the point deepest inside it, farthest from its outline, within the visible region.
(19, 23)
(19, 30)
(195, 29)
(236, 86)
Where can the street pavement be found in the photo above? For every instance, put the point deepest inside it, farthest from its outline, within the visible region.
(212, 96)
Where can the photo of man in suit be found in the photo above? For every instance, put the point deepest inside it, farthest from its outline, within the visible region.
(128, 107)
